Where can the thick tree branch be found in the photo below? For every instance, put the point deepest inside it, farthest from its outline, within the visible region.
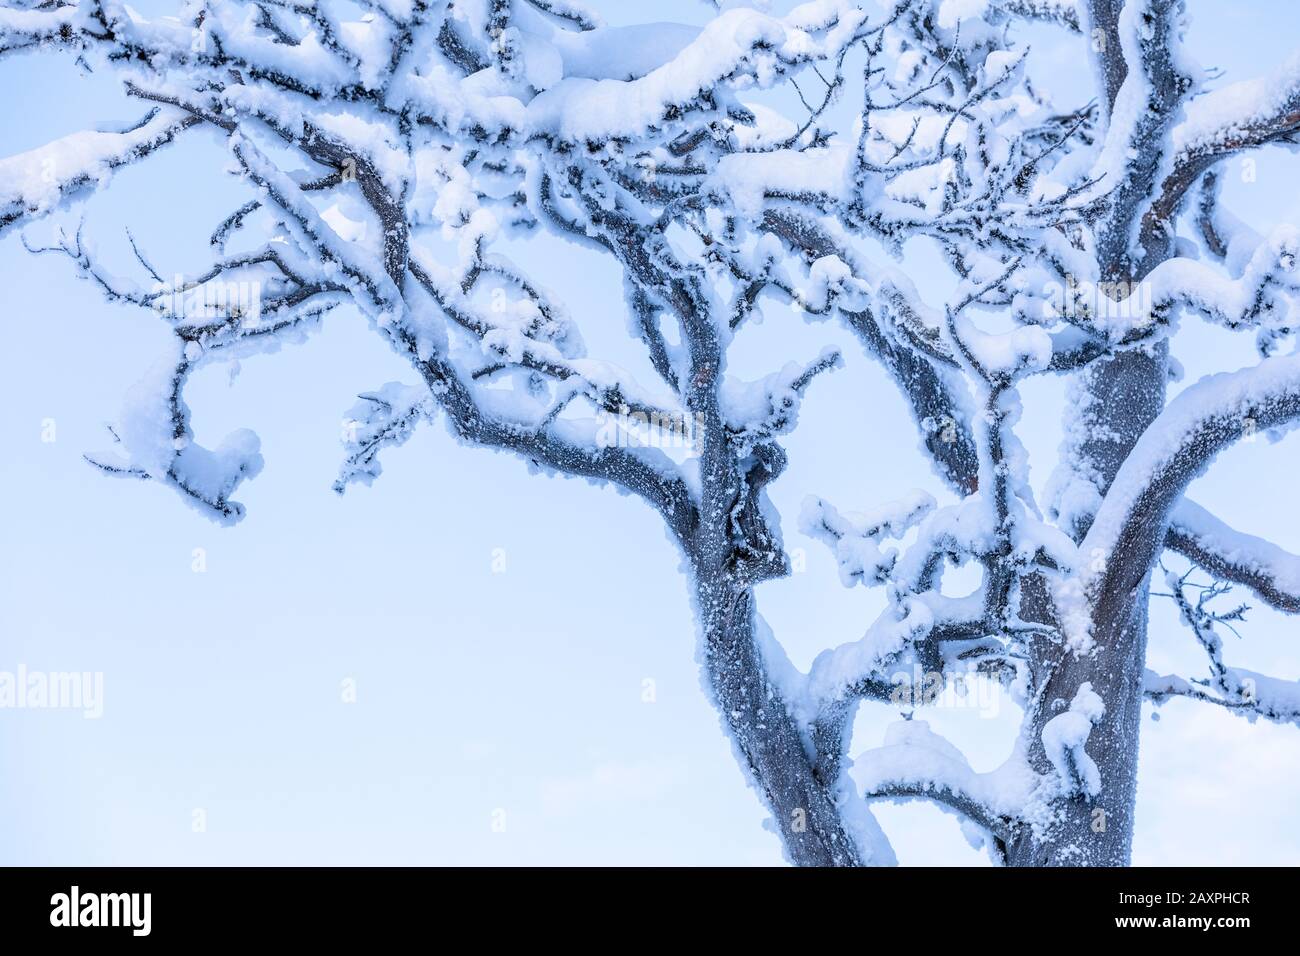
(1132, 522)
(1272, 573)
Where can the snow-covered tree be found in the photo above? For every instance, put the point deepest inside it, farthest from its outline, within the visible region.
(391, 148)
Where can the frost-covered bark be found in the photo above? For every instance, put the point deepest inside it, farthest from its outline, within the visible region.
(1077, 245)
(761, 157)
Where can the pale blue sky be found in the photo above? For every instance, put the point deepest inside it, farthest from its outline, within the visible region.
(480, 691)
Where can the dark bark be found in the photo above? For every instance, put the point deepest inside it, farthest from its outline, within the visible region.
(1093, 831)
(1125, 394)
(766, 737)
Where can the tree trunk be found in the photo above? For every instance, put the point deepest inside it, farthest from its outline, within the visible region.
(1123, 397)
(1082, 830)
(767, 740)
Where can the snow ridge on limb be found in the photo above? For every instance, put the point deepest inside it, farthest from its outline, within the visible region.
(1248, 113)
(383, 418)
(1252, 695)
(738, 45)
(1182, 442)
(153, 441)
(1223, 122)
(916, 763)
(855, 538)
(35, 183)
(1272, 573)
